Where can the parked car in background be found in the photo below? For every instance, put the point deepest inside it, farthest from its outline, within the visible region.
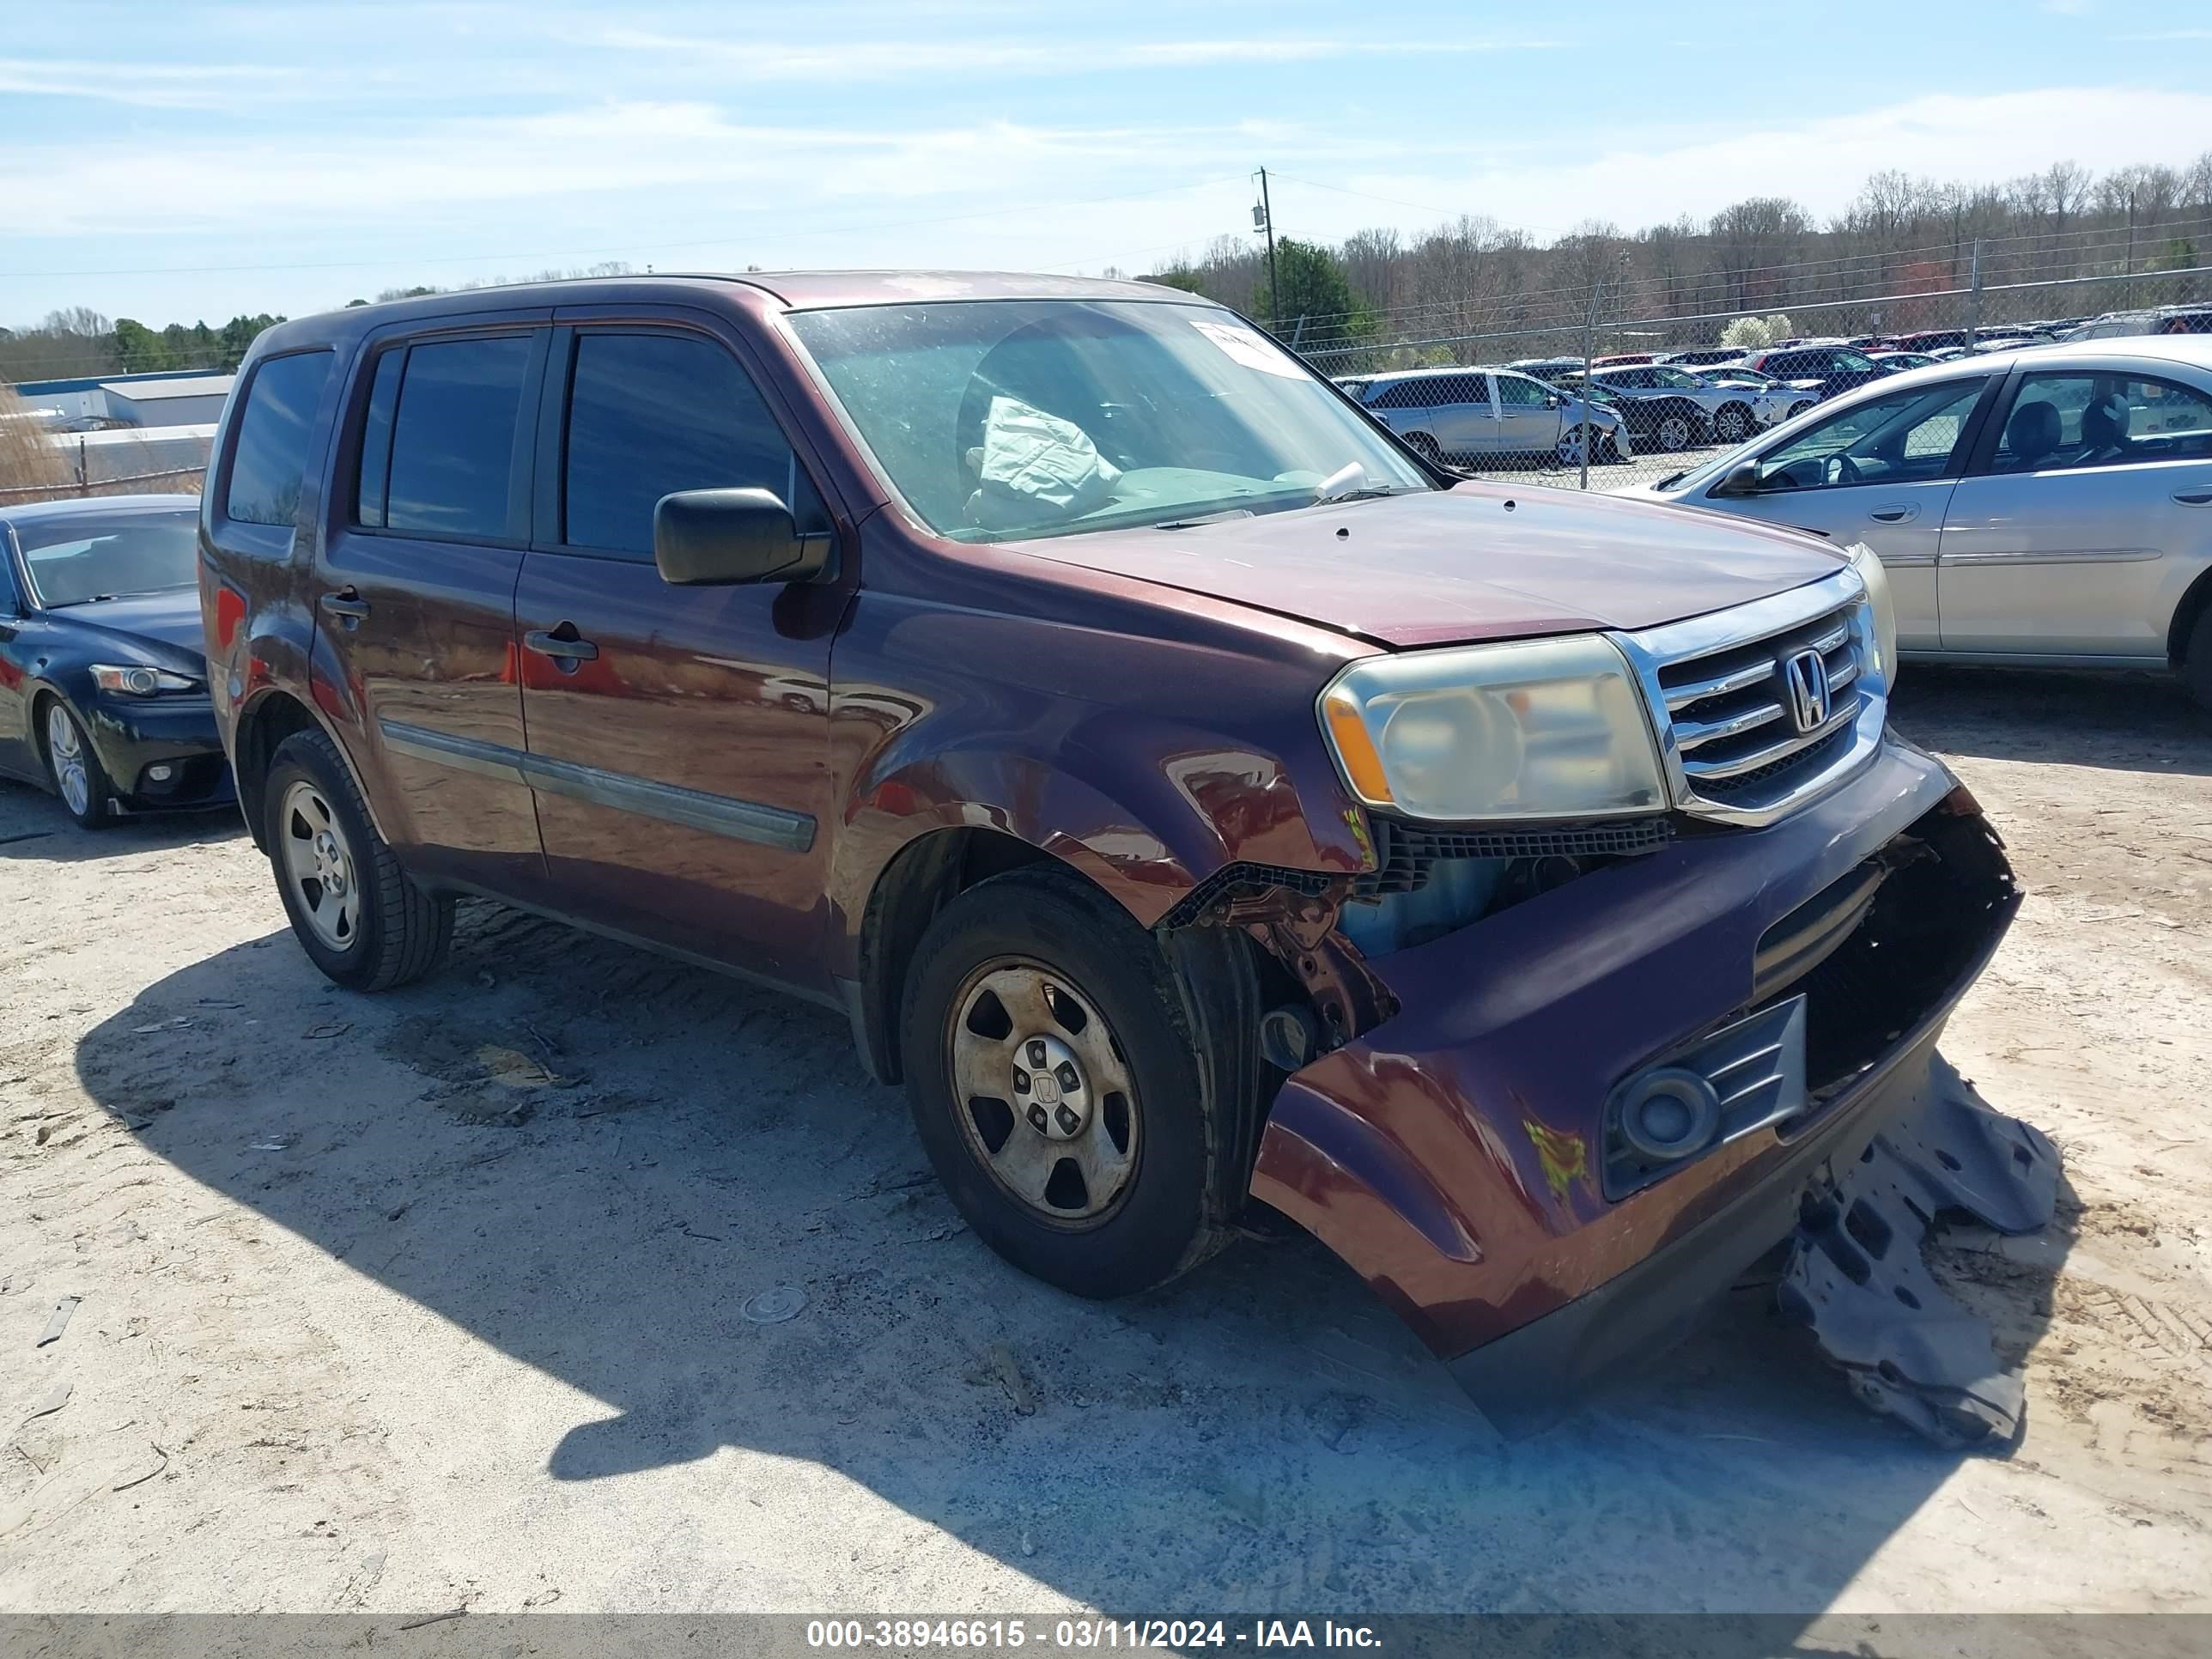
(103, 685)
(1615, 358)
(1896, 362)
(1772, 401)
(2049, 506)
(1695, 355)
(1546, 369)
(2157, 319)
(1481, 416)
(1192, 795)
(1671, 408)
(1836, 368)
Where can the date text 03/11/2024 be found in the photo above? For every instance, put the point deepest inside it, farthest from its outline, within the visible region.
(996, 1635)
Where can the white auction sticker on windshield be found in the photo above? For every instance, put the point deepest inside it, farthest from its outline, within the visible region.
(1247, 346)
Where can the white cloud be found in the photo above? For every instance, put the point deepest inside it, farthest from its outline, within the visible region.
(161, 86)
(839, 62)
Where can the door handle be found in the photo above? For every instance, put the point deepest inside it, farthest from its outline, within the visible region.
(561, 644)
(2194, 497)
(1894, 514)
(347, 603)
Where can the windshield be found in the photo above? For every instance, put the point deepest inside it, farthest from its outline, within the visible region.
(999, 418)
(77, 560)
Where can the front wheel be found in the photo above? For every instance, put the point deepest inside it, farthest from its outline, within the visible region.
(1572, 442)
(79, 778)
(1056, 1089)
(358, 915)
(1425, 446)
(1733, 424)
(1675, 431)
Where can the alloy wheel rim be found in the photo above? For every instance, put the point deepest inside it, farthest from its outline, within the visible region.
(319, 865)
(1570, 449)
(1731, 425)
(1043, 1092)
(1675, 433)
(66, 750)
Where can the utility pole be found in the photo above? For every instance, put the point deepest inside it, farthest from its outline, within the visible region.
(1263, 218)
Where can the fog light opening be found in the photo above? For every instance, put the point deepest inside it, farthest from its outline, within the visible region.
(160, 773)
(1670, 1114)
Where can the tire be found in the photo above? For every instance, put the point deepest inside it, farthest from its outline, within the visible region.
(359, 916)
(1089, 999)
(2197, 666)
(1674, 431)
(1425, 446)
(1733, 423)
(73, 765)
(1797, 409)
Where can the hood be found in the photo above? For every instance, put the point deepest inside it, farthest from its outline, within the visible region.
(164, 627)
(1480, 561)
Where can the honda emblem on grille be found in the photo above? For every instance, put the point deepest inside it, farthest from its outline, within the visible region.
(1805, 675)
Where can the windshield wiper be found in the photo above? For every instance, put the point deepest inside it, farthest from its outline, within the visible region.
(1672, 479)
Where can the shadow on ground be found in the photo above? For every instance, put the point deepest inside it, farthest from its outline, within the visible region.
(35, 826)
(592, 1160)
(2126, 722)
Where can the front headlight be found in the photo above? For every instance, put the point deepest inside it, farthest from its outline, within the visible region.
(137, 680)
(1883, 609)
(1536, 729)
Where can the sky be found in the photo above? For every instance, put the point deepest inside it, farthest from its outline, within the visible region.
(175, 162)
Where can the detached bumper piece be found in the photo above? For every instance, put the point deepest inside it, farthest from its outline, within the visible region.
(1856, 1278)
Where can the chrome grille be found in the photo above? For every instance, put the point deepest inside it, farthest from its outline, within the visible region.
(1744, 742)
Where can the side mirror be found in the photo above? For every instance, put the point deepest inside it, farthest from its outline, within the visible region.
(1742, 479)
(715, 538)
(1552, 400)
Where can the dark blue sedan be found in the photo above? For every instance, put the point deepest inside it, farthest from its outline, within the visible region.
(103, 680)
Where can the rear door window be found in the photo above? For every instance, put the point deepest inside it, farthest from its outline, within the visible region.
(269, 460)
(2061, 421)
(456, 446)
(650, 413)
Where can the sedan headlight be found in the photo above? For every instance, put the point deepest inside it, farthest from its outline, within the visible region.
(1883, 609)
(136, 680)
(1536, 729)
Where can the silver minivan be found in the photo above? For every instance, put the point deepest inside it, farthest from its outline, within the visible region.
(1481, 415)
(2049, 507)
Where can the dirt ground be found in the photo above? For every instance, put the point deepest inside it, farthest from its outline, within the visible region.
(443, 1299)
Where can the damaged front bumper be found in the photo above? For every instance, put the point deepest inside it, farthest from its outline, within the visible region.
(1466, 1156)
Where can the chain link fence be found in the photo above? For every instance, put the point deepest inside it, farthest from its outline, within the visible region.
(1606, 399)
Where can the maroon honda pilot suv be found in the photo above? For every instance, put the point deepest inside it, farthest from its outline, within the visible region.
(1192, 795)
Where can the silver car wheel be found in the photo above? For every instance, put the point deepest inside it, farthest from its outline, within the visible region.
(1731, 425)
(1674, 432)
(319, 863)
(66, 753)
(1571, 446)
(1043, 1092)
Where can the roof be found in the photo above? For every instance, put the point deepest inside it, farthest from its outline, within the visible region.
(139, 392)
(799, 290)
(88, 382)
(76, 506)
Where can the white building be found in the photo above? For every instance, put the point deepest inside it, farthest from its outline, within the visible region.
(196, 400)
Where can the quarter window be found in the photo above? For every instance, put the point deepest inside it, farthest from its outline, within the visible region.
(652, 414)
(2062, 422)
(457, 440)
(270, 458)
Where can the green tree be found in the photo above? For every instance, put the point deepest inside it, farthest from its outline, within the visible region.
(1189, 278)
(137, 348)
(1315, 289)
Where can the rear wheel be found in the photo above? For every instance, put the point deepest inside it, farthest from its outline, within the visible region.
(356, 913)
(2196, 666)
(1055, 1086)
(79, 778)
